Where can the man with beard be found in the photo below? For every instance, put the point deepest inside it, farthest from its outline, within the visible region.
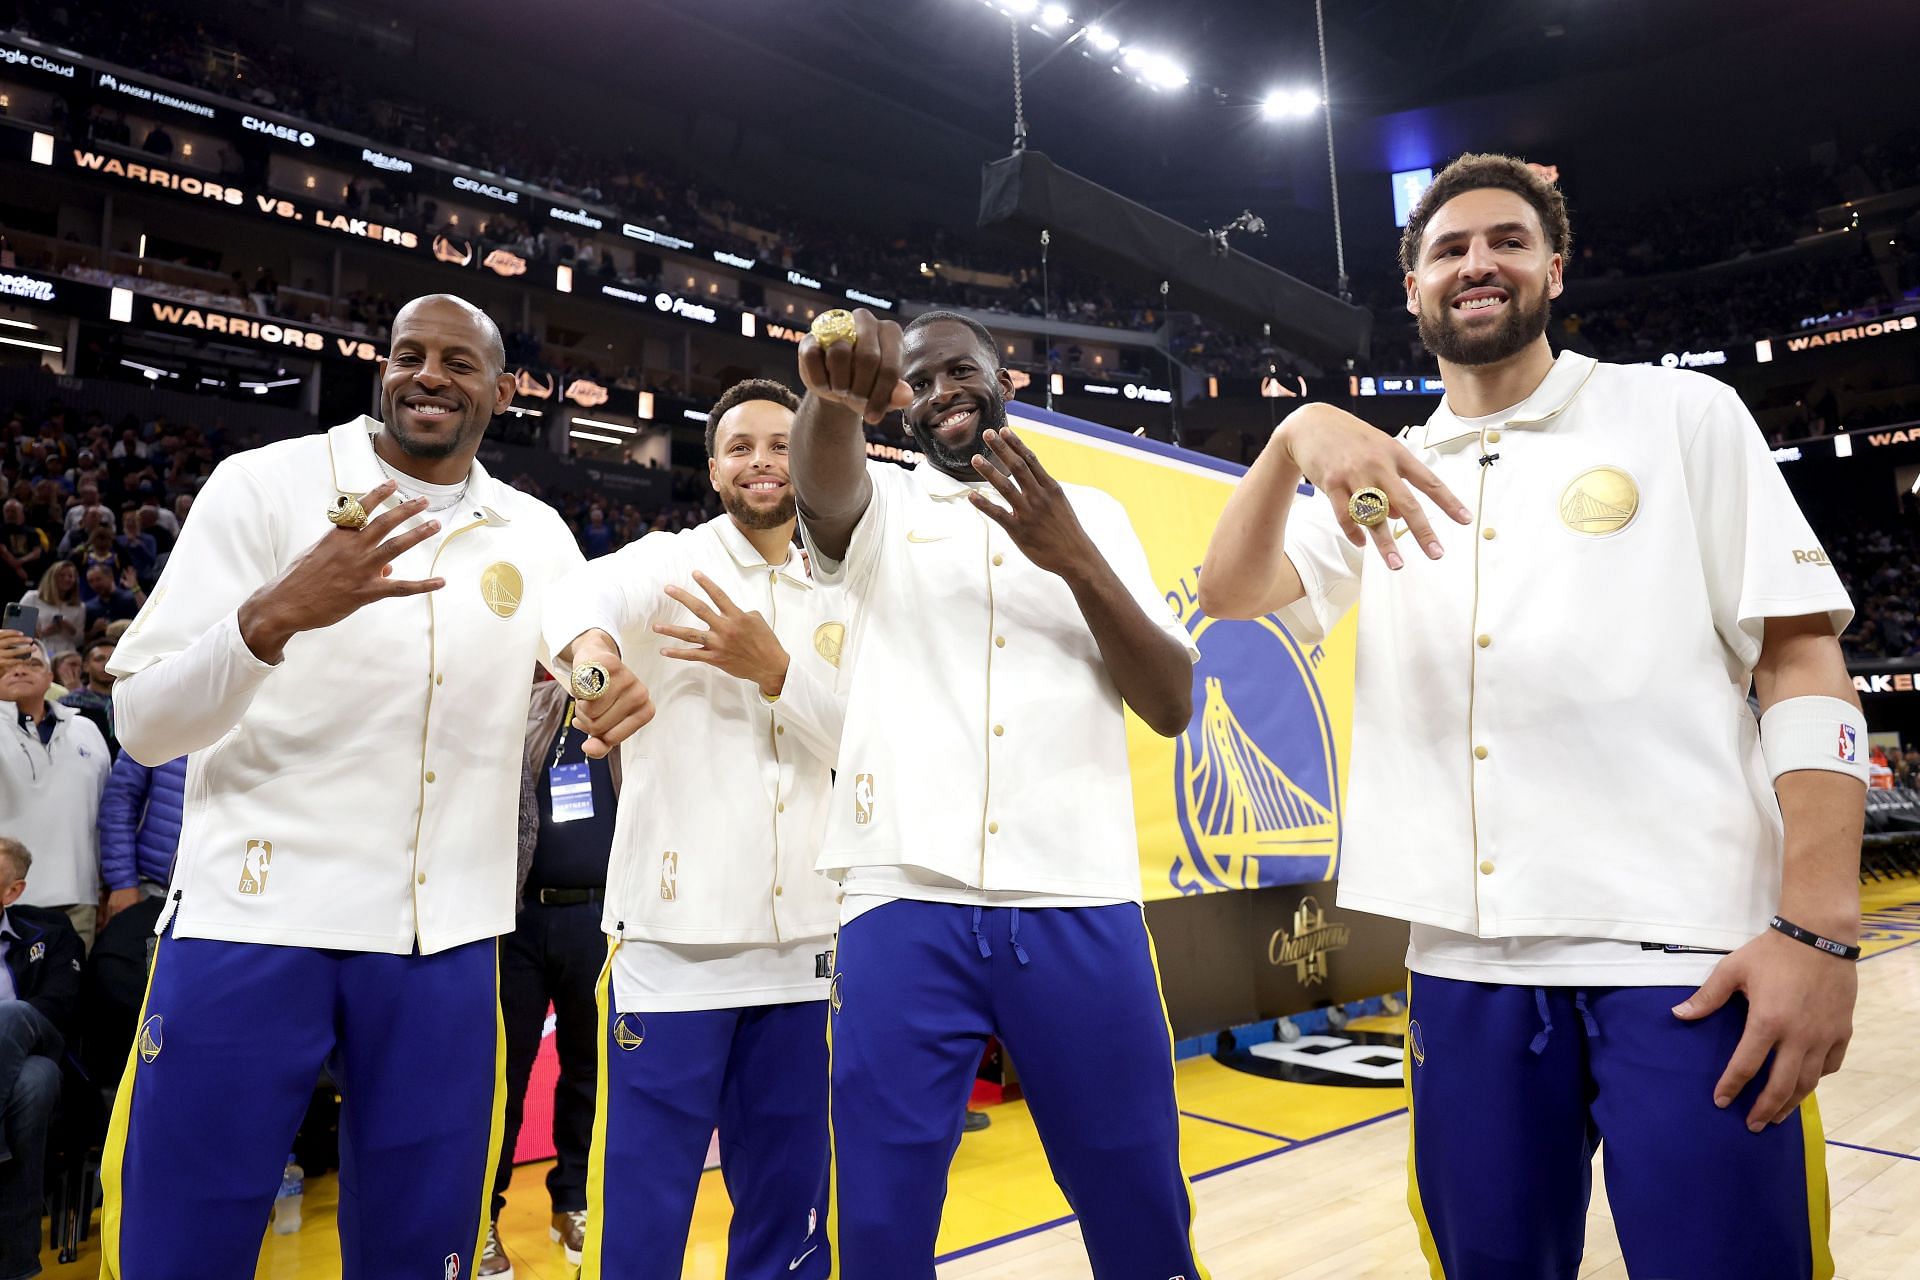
(340, 646)
(982, 819)
(713, 998)
(1633, 908)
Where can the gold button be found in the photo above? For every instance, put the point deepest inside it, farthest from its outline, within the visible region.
(1487, 534)
(999, 559)
(777, 891)
(779, 729)
(1484, 641)
(1493, 437)
(999, 642)
(781, 807)
(440, 679)
(429, 775)
(993, 828)
(421, 878)
(999, 729)
(1486, 868)
(1479, 753)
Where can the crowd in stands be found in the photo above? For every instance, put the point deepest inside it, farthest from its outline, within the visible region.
(1665, 234)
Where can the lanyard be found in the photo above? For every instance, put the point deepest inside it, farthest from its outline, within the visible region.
(560, 745)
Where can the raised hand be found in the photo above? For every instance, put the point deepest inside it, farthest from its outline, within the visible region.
(1037, 515)
(738, 642)
(625, 708)
(862, 375)
(1341, 454)
(346, 570)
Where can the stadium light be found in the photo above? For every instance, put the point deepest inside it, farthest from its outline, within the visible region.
(1056, 15)
(1102, 39)
(1289, 104)
(1161, 72)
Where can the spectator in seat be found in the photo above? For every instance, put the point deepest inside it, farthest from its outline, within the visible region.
(24, 551)
(52, 774)
(140, 817)
(92, 697)
(109, 601)
(136, 547)
(39, 983)
(63, 616)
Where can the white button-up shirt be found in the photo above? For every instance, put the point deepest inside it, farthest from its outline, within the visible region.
(50, 802)
(721, 804)
(362, 794)
(984, 741)
(1551, 734)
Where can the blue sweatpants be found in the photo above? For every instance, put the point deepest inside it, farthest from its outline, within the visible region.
(232, 1039)
(667, 1081)
(1072, 994)
(1512, 1088)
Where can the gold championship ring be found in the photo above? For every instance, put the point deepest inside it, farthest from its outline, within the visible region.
(589, 681)
(1368, 507)
(833, 326)
(347, 513)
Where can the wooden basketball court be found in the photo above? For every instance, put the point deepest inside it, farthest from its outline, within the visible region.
(1306, 1182)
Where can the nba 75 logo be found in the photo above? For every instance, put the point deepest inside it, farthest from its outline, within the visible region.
(1849, 744)
(253, 868)
(862, 799)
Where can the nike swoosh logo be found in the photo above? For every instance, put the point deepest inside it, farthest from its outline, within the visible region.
(927, 537)
(795, 1264)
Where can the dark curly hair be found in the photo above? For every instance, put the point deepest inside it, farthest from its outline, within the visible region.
(1479, 172)
(741, 392)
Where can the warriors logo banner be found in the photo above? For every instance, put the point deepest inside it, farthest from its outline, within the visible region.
(1250, 795)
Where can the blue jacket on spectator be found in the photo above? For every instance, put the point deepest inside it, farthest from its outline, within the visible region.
(140, 816)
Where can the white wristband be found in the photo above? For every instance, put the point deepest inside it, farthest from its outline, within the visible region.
(1815, 732)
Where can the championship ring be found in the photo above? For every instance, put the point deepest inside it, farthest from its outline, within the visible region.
(1368, 507)
(589, 681)
(833, 326)
(347, 513)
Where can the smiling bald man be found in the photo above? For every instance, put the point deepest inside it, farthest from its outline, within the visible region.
(340, 646)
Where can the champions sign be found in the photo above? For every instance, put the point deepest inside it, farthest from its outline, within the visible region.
(1250, 795)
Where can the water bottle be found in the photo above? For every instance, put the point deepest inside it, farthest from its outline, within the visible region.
(286, 1205)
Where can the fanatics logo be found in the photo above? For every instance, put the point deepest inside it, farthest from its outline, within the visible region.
(1849, 744)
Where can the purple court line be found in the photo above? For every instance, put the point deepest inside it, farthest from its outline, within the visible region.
(1878, 1151)
(1024, 1232)
(1228, 1124)
(1890, 950)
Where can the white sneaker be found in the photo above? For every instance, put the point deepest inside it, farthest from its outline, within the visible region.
(494, 1262)
(569, 1230)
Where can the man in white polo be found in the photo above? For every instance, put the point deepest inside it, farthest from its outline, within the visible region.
(340, 646)
(982, 817)
(1633, 905)
(714, 996)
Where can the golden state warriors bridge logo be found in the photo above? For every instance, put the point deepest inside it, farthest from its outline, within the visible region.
(1256, 783)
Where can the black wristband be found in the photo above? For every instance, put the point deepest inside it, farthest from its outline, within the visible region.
(1813, 939)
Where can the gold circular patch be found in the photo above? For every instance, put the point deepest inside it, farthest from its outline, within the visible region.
(1599, 501)
(629, 1032)
(500, 586)
(828, 638)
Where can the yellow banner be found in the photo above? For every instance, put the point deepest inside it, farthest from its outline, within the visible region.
(1250, 795)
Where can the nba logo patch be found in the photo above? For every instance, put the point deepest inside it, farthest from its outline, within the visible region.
(1849, 744)
(453, 1267)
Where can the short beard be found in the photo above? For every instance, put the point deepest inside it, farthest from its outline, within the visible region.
(959, 465)
(415, 447)
(734, 501)
(1514, 334)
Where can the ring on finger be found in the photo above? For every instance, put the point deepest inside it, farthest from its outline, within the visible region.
(1368, 507)
(589, 681)
(833, 326)
(347, 513)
